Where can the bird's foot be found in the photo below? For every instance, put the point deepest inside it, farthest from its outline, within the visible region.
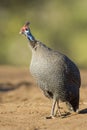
(65, 114)
(50, 117)
(62, 115)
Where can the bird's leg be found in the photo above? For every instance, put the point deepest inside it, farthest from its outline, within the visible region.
(52, 110)
(58, 109)
(53, 107)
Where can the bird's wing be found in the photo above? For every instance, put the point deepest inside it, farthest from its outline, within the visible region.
(73, 73)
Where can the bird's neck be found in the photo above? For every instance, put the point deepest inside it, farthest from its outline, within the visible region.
(31, 39)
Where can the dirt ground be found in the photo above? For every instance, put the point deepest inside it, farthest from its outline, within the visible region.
(24, 107)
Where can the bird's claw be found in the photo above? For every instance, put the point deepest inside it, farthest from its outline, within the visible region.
(50, 117)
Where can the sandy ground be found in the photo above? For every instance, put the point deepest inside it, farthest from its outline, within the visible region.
(24, 107)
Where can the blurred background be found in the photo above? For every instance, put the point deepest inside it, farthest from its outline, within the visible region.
(60, 24)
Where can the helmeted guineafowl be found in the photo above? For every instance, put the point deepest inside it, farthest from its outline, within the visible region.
(56, 74)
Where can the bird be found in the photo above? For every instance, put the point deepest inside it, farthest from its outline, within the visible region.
(56, 74)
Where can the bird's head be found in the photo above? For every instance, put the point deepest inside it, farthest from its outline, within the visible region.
(25, 29)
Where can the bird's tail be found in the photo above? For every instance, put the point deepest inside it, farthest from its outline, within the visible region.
(73, 105)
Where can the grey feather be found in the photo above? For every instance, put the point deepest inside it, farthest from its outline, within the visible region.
(56, 74)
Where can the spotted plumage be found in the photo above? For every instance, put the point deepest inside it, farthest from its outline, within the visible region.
(55, 73)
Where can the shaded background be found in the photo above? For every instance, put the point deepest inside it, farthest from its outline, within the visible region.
(60, 24)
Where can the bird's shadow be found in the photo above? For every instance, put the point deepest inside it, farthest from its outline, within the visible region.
(68, 114)
(83, 111)
(5, 87)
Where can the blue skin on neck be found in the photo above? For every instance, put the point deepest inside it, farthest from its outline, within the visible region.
(29, 35)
